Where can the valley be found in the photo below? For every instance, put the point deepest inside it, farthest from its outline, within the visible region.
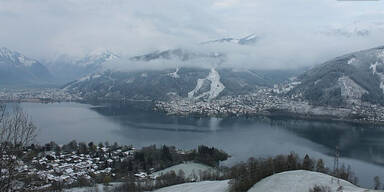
(191, 96)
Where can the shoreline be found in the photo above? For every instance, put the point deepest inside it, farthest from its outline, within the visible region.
(290, 115)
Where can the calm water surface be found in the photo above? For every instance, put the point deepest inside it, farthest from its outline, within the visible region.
(362, 146)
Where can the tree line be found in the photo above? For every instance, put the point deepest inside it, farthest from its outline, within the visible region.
(245, 175)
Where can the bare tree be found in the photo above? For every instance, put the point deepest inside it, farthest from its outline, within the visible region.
(16, 132)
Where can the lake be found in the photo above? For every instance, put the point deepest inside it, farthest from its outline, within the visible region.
(361, 146)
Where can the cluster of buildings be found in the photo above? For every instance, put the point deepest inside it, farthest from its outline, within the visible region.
(37, 95)
(266, 101)
(257, 103)
(67, 168)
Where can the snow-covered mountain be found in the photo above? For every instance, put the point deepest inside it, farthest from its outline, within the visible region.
(17, 69)
(251, 39)
(193, 83)
(186, 54)
(178, 54)
(67, 69)
(347, 79)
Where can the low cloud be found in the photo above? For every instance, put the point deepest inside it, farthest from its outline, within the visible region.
(292, 33)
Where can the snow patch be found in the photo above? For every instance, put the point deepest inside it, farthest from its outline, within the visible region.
(174, 74)
(373, 67)
(216, 86)
(89, 77)
(252, 36)
(350, 89)
(98, 187)
(25, 61)
(302, 181)
(351, 61)
(190, 169)
(380, 55)
(196, 89)
(85, 78)
(381, 75)
(204, 186)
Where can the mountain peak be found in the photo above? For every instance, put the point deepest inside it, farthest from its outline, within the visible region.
(98, 56)
(15, 57)
(247, 40)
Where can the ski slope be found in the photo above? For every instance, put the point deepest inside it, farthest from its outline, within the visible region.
(216, 87)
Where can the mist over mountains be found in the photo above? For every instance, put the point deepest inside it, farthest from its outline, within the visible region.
(67, 69)
(64, 69)
(345, 79)
(205, 73)
(17, 69)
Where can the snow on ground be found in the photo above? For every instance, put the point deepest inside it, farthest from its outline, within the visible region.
(175, 74)
(373, 67)
(216, 86)
(351, 61)
(196, 89)
(381, 75)
(98, 187)
(302, 181)
(27, 62)
(350, 89)
(189, 169)
(290, 181)
(203, 186)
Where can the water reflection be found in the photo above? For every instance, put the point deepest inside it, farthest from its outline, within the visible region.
(358, 141)
(361, 145)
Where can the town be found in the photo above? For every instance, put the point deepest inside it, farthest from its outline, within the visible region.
(56, 167)
(272, 102)
(263, 102)
(37, 95)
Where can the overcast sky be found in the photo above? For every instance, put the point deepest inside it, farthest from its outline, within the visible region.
(292, 33)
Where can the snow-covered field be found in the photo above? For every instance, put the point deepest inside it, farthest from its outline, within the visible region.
(291, 181)
(98, 188)
(302, 181)
(204, 186)
(188, 168)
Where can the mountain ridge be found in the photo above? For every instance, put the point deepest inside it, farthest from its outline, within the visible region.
(353, 77)
(17, 69)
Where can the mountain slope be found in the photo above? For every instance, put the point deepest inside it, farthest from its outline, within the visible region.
(348, 79)
(193, 83)
(17, 69)
(179, 54)
(251, 39)
(66, 69)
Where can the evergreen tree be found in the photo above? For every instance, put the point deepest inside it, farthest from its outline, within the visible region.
(308, 163)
